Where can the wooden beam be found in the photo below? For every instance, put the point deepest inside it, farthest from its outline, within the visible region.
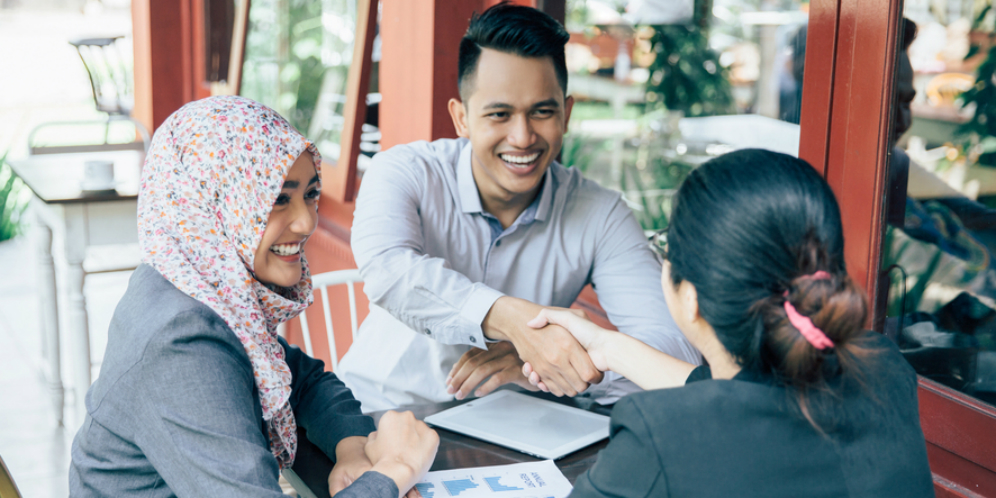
(418, 71)
(164, 40)
(342, 177)
(233, 83)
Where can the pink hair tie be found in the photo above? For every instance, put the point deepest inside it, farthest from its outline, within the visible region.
(811, 332)
(819, 275)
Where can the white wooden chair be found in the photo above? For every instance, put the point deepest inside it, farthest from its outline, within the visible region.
(322, 282)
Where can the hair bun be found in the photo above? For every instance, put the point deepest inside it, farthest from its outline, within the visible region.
(834, 305)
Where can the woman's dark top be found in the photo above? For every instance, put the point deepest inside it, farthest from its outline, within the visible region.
(175, 411)
(743, 437)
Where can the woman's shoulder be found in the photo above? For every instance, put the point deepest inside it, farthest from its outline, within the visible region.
(152, 307)
(154, 319)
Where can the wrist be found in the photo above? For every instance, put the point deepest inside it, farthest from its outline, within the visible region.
(402, 474)
(350, 448)
(495, 325)
(608, 347)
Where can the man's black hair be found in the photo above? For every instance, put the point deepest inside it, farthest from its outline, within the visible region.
(513, 29)
(907, 33)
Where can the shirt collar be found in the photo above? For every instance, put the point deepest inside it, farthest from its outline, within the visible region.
(470, 196)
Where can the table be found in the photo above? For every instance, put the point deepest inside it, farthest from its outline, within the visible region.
(457, 451)
(69, 222)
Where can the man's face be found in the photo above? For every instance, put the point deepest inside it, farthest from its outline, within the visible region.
(904, 97)
(515, 116)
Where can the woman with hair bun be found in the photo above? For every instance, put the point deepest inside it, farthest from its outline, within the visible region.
(797, 398)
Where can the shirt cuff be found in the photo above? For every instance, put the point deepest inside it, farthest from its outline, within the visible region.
(371, 484)
(328, 436)
(475, 308)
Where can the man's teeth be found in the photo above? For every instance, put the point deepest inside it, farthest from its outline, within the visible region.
(286, 249)
(519, 159)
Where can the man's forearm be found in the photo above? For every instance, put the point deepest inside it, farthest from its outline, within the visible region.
(502, 322)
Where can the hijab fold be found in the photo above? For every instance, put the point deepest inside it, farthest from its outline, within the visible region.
(212, 174)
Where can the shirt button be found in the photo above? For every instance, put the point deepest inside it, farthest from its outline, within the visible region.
(428, 332)
(498, 244)
(473, 339)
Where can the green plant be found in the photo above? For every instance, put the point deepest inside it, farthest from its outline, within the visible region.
(578, 151)
(686, 74)
(11, 205)
(654, 189)
(977, 135)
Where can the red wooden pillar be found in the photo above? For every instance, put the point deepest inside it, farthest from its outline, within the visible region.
(418, 68)
(169, 68)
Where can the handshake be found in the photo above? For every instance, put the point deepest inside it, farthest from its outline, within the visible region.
(555, 350)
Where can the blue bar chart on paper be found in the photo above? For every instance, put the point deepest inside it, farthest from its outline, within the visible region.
(457, 486)
(425, 489)
(521, 480)
(495, 484)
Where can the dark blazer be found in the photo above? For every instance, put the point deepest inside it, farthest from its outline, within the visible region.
(175, 411)
(746, 437)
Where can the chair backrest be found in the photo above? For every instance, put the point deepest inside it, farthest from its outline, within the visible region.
(322, 282)
(7, 487)
(109, 78)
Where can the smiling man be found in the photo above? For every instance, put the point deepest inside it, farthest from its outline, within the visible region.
(461, 242)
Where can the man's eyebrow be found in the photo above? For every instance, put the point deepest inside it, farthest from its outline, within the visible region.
(547, 103)
(542, 103)
(498, 105)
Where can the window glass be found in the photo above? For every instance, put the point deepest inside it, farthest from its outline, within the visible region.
(941, 197)
(662, 86)
(297, 59)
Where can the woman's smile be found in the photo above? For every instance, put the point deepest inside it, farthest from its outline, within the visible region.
(288, 251)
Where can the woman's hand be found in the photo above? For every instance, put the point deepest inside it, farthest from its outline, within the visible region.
(591, 337)
(350, 463)
(402, 448)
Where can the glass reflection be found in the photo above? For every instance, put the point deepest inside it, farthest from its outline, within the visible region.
(297, 59)
(941, 225)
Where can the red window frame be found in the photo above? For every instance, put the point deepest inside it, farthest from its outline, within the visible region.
(846, 114)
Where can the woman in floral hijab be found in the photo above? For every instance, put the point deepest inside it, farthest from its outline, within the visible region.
(198, 396)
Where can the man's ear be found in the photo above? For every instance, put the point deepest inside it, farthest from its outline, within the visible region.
(459, 115)
(568, 105)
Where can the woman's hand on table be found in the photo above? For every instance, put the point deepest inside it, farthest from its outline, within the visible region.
(402, 449)
(592, 338)
(350, 463)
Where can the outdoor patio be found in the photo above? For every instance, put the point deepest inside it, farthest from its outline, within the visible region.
(32, 444)
(34, 447)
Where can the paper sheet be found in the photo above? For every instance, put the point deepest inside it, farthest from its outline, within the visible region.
(520, 480)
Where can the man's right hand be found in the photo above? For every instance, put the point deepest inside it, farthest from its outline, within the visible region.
(552, 351)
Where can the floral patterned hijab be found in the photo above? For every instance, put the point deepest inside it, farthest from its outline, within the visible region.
(213, 172)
